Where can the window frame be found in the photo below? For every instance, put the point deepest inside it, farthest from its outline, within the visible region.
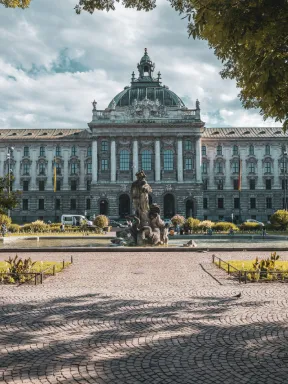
(146, 160)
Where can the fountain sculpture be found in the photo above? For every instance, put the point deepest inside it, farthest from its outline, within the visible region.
(146, 226)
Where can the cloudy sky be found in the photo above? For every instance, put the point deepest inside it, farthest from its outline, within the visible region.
(54, 63)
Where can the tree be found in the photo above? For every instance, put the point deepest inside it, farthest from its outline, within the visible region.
(16, 3)
(8, 199)
(249, 37)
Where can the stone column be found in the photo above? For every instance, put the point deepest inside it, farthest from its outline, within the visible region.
(180, 161)
(135, 158)
(157, 161)
(94, 162)
(66, 153)
(198, 160)
(113, 161)
(244, 173)
(33, 170)
(16, 170)
(50, 165)
(82, 170)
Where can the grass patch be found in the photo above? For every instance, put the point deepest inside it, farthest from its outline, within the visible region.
(40, 266)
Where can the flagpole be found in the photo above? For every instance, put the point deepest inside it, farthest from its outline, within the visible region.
(240, 186)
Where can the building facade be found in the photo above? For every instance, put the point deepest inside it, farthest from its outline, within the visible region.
(209, 173)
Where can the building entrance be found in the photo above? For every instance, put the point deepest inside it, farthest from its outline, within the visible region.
(104, 207)
(124, 205)
(189, 208)
(169, 206)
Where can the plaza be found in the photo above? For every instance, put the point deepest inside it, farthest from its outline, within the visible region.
(143, 318)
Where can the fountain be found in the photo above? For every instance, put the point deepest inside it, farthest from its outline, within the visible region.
(146, 226)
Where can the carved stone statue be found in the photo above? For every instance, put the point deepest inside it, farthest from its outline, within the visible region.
(146, 226)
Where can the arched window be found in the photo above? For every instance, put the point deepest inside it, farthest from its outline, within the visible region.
(204, 150)
(268, 167)
(235, 150)
(42, 151)
(124, 160)
(251, 167)
(146, 160)
(73, 151)
(267, 149)
(219, 150)
(168, 160)
(251, 150)
(89, 151)
(188, 145)
(104, 146)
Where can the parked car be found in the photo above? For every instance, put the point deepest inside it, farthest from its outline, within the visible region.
(254, 221)
(115, 223)
(75, 220)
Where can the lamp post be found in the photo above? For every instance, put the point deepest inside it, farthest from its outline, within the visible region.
(284, 178)
(9, 154)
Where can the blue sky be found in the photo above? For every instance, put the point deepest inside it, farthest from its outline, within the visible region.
(54, 63)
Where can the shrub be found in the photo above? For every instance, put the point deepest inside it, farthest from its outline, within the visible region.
(18, 266)
(192, 223)
(225, 227)
(279, 219)
(250, 226)
(204, 225)
(178, 220)
(101, 221)
(4, 219)
(14, 228)
(26, 228)
(39, 226)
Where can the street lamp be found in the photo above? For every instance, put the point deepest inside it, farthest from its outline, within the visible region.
(9, 154)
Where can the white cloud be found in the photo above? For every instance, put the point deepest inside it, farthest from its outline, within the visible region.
(53, 63)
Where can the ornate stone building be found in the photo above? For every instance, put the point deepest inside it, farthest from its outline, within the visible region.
(193, 170)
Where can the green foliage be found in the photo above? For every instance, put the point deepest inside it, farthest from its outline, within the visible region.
(14, 228)
(178, 220)
(249, 226)
(4, 219)
(279, 219)
(204, 225)
(225, 227)
(18, 266)
(192, 224)
(249, 37)
(8, 200)
(101, 221)
(15, 3)
(39, 226)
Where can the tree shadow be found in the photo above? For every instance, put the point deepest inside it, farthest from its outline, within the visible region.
(100, 339)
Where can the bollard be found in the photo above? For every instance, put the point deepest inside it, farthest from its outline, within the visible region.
(35, 278)
(63, 264)
(71, 259)
(213, 259)
(239, 276)
(245, 276)
(228, 269)
(41, 278)
(54, 270)
(219, 263)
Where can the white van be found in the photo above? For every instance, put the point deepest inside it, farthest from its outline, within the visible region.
(75, 220)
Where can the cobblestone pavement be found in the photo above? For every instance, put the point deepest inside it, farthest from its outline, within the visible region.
(143, 318)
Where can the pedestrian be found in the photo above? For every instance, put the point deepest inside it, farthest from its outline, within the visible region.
(264, 231)
(3, 229)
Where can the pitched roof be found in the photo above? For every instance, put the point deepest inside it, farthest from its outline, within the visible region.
(42, 134)
(244, 132)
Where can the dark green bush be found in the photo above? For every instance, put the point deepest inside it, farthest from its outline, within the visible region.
(279, 220)
(250, 226)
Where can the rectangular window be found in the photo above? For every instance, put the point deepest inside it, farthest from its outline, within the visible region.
(73, 151)
(26, 151)
(283, 184)
(205, 217)
(219, 168)
(24, 219)
(235, 167)
(267, 167)
(188, 145)
(73, 204)
(252, 203)
(204, 168)
(42, 151)
(41, 185)
(204, 150)
(25, 185)
(146, 160)
(57, 204)
(188, 164)
(251, 168)
(236, 203)
(88, 203)
(104, 146)
(205, 185)
(252, 184)
(220, 184)
(89, 168)
(89, 151)
(41, 169)
(88, 185)
(220, 203)
(58, 185)
(73, 168)
(269, 202)
(254, 217)
(25, 206)
(26, 169)
(73, 185)
(168, 160)
(235, 184)
(205, 203)
(58, 151)
(268, 184)
(219, 150)
(41, 204)
(104, 165)
(58, 169)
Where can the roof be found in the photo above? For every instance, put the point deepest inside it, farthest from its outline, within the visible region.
(244, 132)
(42, 134)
